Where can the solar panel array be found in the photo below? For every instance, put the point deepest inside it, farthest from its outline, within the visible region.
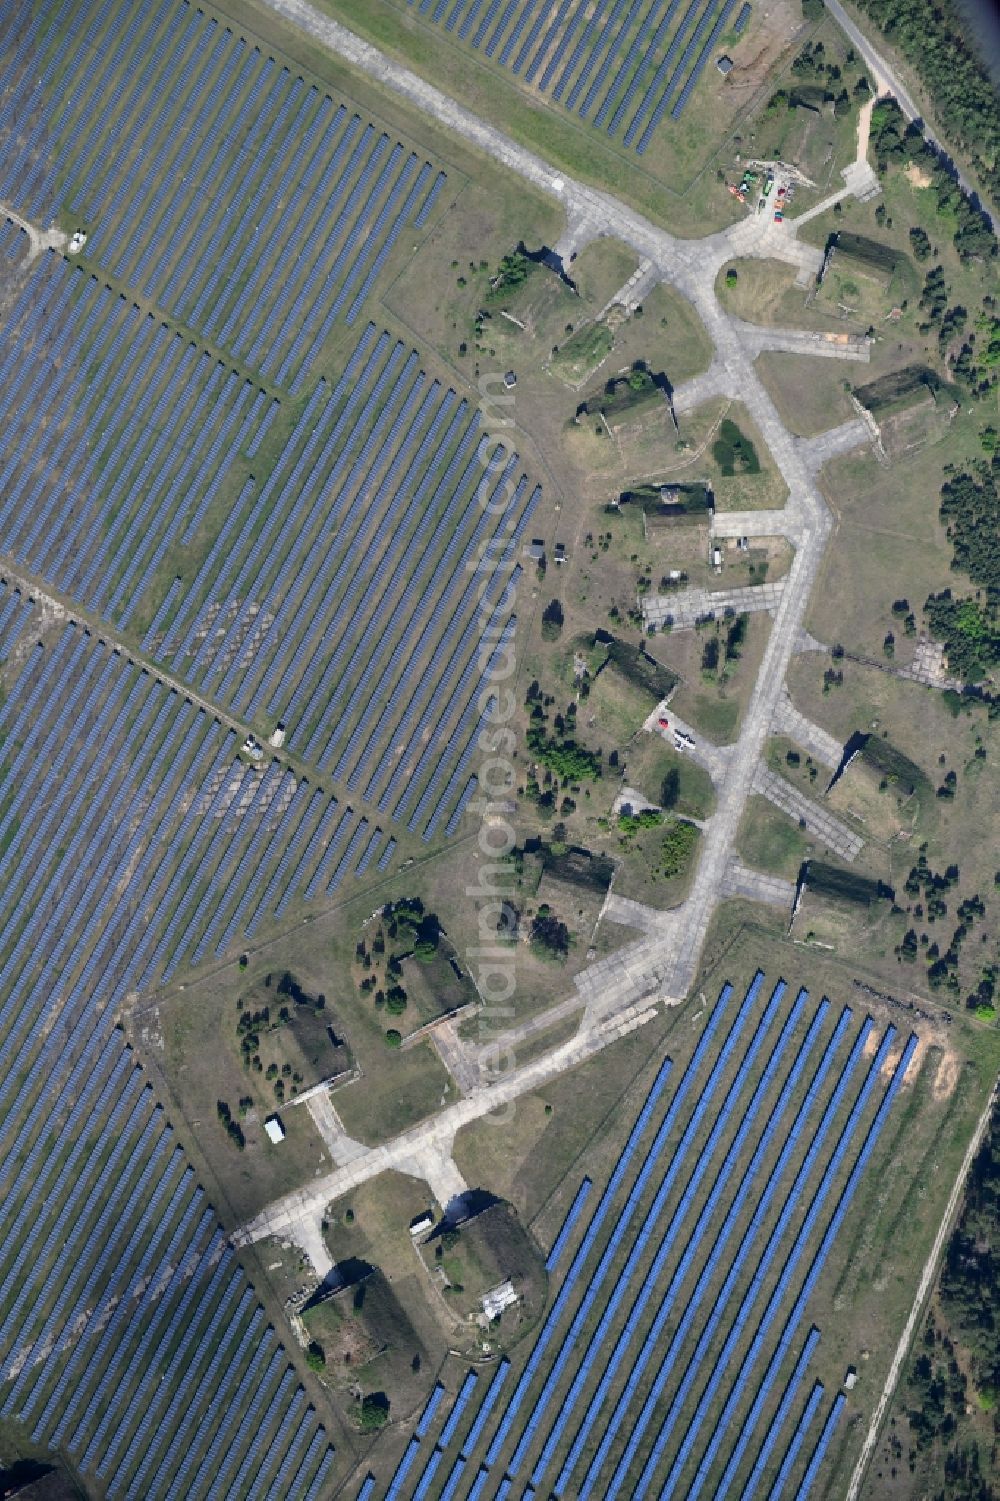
(114, 458)
(131, 462)
(128, 1332)
(173, 462)
(375, 671)
(212, 178)
(616, 66)
(674, 1354)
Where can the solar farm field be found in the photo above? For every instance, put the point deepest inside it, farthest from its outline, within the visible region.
(621, 69)
(250, 588)
(229, 499)
(127, 1328)
(685, 1350)
(221, 188)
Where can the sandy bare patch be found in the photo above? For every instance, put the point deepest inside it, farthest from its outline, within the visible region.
(947, 1075)
(917, 178)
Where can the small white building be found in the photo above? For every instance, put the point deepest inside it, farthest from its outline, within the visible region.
(421, 1225)
(498, 1298)
(275, 1130)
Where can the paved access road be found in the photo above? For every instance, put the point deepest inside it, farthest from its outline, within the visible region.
(687, 607)
(802, 809)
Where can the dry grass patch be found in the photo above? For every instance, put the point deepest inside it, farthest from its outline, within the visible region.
(808, 391)
(715, 701)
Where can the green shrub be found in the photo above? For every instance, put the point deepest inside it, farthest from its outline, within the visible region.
(552, 620)
(678, 846)
(733, 450)
(649, 818)
(549, 936)
(373, 1412)
(570, 762)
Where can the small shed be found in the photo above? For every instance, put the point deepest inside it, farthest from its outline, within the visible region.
(510, 380)
(724, 64)
(536, 549)
(498, 1298)
(275, 1130)
(421, 1224)
(560, 553)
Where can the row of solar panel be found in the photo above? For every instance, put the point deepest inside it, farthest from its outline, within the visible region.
(301, 627)
(669, 1234)
(82, 1326)
(775, 1252)
(219, 250)
(107, 439)
(705, 1282)
(133, 513)
(609, 1258)
(445, 1439)
(618, 54)
(694, 1254)
(794, 1230)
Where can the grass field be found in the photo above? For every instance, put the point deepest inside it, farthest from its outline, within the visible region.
(889, 543)
(768, 840)
(651, 762)
(759, 486)
(714, 702)
(809, 393)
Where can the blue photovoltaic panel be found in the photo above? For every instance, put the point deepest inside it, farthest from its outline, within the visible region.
(592, 59)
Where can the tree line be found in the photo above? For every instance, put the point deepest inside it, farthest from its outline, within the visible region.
(969, 625)
(932, 38)
(895, 142)
(938, 1396)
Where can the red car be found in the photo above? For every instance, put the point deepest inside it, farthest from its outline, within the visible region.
(664, 724)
